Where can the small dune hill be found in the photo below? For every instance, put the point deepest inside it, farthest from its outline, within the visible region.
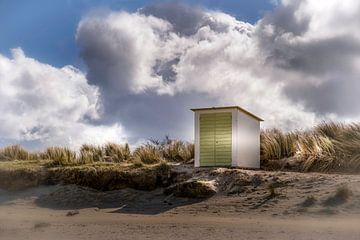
(218, 191)
(278, 193)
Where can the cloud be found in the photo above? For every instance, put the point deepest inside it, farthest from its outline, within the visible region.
(296, 66)
(42, 105)
(142, 61)
(318, 44)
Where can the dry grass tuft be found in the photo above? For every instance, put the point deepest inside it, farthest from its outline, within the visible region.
(341, 196)
(316, 151)
(175, 150)
(309, 201)
(90, 153)
(277, 145)
(61, 156)
(116, 153)
(16, 152)
(170, 150)
(152, 152)
(110, 152)
(329, 147)
(148, 154)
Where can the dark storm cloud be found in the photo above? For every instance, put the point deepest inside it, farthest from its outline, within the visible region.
(109, 65)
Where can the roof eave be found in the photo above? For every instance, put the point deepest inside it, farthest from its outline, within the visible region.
(229, 107)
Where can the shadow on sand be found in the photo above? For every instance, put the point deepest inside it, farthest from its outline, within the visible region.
(70, 197)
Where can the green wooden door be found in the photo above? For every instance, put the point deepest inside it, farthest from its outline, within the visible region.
(215, 139)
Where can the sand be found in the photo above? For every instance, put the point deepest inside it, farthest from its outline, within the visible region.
(237, 211)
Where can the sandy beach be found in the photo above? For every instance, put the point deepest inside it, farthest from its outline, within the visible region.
(29, 222)
(72, 212)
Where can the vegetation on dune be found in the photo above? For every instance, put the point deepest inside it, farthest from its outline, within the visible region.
(60, 156)
(342, 195)
(277, 145)
(15, 175)
(174, 150)
(18, 174)
(16, 152)
(329, 147)
(148, 154)
(107, 167)
(151, 152)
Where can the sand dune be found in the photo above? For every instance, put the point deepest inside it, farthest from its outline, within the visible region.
(244, 207)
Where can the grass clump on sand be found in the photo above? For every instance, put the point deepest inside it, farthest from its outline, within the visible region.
(329, 147)
(148, 154)
(277, 145)
(16, 152)
(341, 196)
(60, 156)
(174, 150)
(110, 152)
(168, 150)
(116, 152)
(272, 190)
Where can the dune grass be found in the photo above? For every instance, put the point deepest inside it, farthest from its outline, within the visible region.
(174, 150)
(328, 147)
(16, 152)
(151, 152)
(106, 167)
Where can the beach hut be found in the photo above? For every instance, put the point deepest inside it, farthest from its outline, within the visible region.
(226, 136)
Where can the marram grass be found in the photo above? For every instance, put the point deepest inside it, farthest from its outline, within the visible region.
(328, 147)
(152, 152)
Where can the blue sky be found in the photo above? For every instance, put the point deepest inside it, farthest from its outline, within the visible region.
(45, 29)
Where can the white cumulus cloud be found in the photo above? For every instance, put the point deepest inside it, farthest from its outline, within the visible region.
(207, 53)
(48, 106)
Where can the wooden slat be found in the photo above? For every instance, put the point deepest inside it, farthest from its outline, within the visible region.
(215, 139)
